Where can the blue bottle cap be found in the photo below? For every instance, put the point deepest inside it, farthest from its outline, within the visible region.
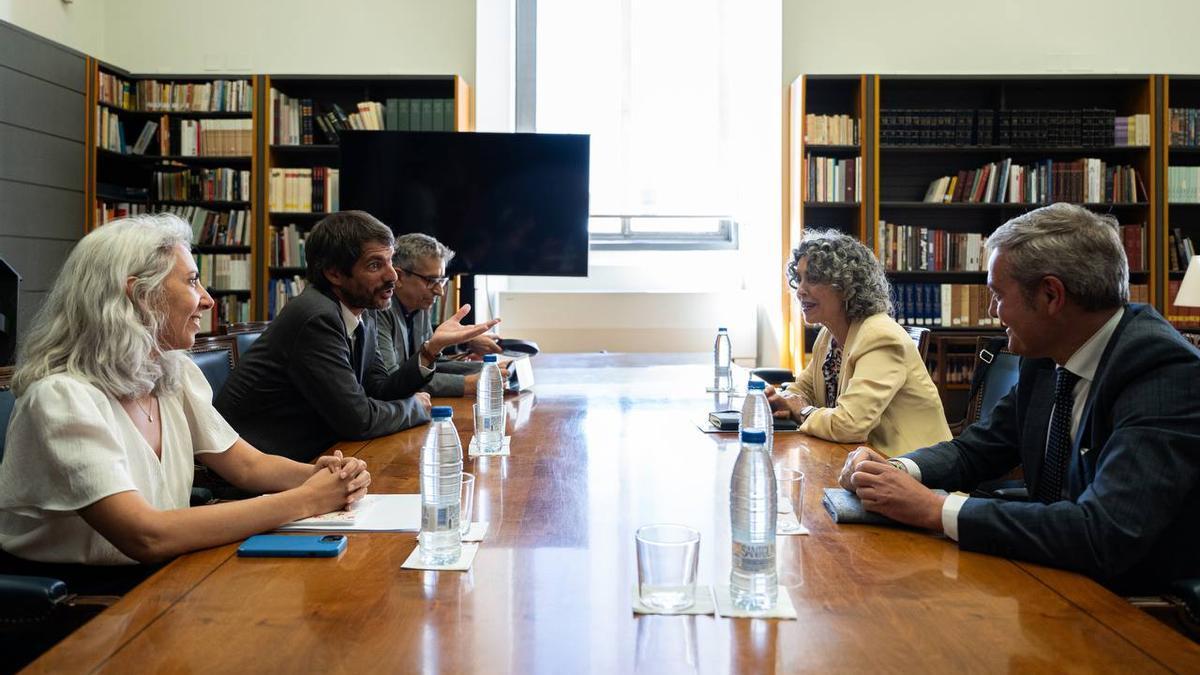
(721, 329)
(442, 412)
(754, 436)
(756, 384)
(489, 358)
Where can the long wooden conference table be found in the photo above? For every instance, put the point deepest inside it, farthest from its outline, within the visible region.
(602, 445)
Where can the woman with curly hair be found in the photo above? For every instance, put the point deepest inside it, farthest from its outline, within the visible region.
(865, 381)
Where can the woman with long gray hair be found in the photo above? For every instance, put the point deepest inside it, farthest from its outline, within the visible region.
(111, 414)
(865, 381)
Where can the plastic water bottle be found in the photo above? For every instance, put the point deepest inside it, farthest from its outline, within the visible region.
(756, 411)
(753, 580)
(441, 490)
(722, 361)
(489, 401)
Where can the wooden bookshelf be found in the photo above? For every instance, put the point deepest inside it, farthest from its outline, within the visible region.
(124, 177)
(823, 96)
(1180, 212)
(311, 146)
(1024, 119)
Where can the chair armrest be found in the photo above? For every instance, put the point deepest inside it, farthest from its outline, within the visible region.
(24, 597)
(1188, 591)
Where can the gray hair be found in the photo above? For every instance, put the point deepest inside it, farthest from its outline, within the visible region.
(415, 247)
(844, 263)
(1081, 248)
(89, 328)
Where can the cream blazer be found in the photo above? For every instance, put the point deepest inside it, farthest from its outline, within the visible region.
(885, 396)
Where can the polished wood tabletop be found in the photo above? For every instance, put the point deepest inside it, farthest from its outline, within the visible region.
(602, 445)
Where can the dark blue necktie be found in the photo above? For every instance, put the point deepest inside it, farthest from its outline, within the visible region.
(1058, 444)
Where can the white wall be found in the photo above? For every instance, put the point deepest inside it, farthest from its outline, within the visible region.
(292, 36)
(974, 36)
(78, 25)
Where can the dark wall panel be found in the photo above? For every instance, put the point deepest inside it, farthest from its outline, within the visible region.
(42, 127)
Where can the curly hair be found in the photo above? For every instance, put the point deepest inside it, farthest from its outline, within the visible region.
(90, 328)
(843, 262)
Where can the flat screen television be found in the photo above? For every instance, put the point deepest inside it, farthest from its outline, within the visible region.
(505, 203)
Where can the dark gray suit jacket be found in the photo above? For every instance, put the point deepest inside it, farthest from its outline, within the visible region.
(1133, 482)
(299, 389)
(393, 348)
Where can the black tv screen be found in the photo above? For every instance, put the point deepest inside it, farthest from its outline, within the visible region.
(506, 203)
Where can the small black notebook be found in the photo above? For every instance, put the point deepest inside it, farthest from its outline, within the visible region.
(844, 506)
(728, 420)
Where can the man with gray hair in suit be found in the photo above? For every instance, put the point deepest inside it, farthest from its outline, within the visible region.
(1104, 421)
(406, 327)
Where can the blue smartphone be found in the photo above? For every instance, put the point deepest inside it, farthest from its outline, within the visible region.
(293, 546)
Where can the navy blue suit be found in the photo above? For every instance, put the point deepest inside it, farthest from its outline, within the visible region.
(1133, 479)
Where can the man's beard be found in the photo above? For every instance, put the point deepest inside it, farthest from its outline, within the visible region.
(369, 300)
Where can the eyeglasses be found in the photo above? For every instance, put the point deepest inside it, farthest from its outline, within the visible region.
(433, 282)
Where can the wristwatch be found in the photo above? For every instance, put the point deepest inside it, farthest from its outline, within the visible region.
(806, 411)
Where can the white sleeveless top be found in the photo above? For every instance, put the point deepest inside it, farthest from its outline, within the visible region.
(69, 446)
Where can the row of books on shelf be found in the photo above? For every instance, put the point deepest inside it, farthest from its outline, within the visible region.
(1094, 127)
(219, 184)
(1183, 184)
(957, 369)
(1087, 180)
(1185, 126)
(215, 228)
(1183, 317)
(169, 96)
(279, 291)
(225, 271)
(830, 130)
(227, 309)
(945, 305)
(287, 246)
(833, 180)
(216, 138)
(959, 305)
(296, 121)
(110, 133)
(1180, 250)
(107, 211)
(311, 190)
(912, 248)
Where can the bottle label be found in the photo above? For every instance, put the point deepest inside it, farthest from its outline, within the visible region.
(440, 519)
(751, 558)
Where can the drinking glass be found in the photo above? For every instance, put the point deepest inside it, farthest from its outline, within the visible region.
(666, 557)
(467, 502)
(790, 503)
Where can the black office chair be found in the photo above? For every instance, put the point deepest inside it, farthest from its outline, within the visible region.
(919, 335)
(35, 611)
(1178, 607)
(217, 356)
(246, 333)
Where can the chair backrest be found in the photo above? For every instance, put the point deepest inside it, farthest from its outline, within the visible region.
(216, 356)
(1000, 372)
(920, 336)
(244, 340)
(246, 327)
(7, 403)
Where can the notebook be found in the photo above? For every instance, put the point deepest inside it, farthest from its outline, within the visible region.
(844, 506)
(728, 420)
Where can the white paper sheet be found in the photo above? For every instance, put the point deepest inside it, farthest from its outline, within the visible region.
(380, 513)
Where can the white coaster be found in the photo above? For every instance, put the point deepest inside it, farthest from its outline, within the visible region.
(463, 563)
(477, 531)
(783, 608)
(473, 449)
(702, 605)
(789, 521)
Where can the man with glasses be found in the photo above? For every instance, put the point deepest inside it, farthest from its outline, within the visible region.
(406, 330)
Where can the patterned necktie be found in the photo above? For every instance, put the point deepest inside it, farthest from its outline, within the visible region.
(1058, 444)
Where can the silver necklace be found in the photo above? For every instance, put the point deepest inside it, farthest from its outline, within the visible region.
(149, 417)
